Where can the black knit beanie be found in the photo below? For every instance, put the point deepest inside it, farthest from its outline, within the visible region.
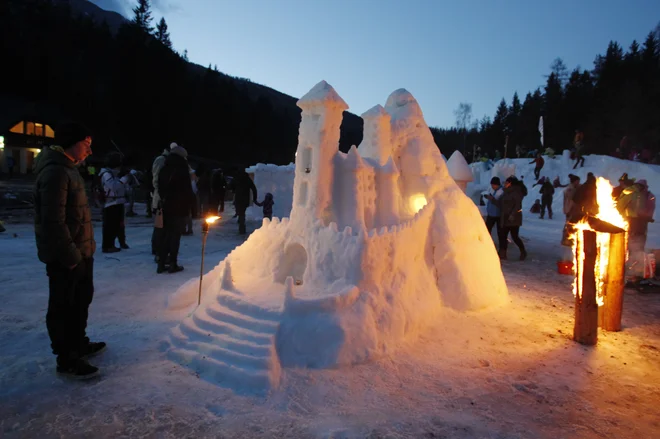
(70, 133)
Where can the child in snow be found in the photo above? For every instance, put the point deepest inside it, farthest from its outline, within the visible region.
(536, 208)
(267, 204)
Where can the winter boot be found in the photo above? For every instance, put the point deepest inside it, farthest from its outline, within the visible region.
(162, 268)
(174, 268)
(523, 254)
(124, 246)
(111, 250)
(92, 348)
(76, 368)
(502, 254)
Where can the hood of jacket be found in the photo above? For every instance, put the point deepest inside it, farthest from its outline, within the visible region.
(53, 155)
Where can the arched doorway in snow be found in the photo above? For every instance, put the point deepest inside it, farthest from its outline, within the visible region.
(293, 263)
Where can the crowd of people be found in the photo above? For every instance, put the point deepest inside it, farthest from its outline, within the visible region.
(65, 234)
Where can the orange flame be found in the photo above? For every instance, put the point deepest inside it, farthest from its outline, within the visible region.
(608, 212)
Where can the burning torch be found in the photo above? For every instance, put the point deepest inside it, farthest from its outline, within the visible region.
(205, 231)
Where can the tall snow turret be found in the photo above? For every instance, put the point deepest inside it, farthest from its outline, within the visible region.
(377, 139)
(389, 196)
(459, 170)
(318, 142)
(351, 171)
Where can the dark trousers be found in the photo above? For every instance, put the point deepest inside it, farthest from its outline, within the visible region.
(171, 240)
(71, 292)
(113, 225)
(579, 160)
(493, 221)
(240, 212)
(504, 233)
(546, 202)
(537, 172)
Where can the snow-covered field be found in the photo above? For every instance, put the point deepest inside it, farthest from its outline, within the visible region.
(511, 372)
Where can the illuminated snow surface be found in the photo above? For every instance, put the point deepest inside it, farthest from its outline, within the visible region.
(508, 372)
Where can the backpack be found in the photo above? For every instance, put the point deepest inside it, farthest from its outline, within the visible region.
(646, 206)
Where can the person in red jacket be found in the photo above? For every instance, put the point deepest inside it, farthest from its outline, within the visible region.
(539, 165)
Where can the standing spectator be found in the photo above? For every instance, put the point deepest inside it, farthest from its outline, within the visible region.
(203, 190)
(242, 186)
(193, 211)
(511, 216)
(624, 182)
(131, 182)
(10, 166)
(539, 182)
(637, 205)
(218, 187)
(175, 189)
(569, 194)
(539, 165)
(646, 155)
(156, 205)
(65, 243)
(113, 211)
(578, 144)
(547, 191)
(586, 200)
(492, 211)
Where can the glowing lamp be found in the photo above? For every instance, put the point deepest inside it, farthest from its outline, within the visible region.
(2, 143)
(417, 202)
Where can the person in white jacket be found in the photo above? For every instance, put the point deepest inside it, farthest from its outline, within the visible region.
(113, 210)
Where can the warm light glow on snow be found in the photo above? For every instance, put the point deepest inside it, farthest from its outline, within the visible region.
(417, 202)
(212, 219)
(608, 212)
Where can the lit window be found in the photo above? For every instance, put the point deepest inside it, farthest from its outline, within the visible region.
(18, 128)
(29, 128)
(39, 129)
(49, 132)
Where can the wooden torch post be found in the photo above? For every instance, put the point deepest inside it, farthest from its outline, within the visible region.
(609, 315)
(586, 307)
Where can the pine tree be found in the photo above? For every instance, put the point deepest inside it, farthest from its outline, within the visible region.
(142, 17)
(560, 70)
(162, 34)
(185, 55)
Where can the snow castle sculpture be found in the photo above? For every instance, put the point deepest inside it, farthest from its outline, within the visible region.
(379, 239)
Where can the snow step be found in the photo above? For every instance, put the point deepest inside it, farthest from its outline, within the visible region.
(226, 315)
(227, 356)
(258, 381)
(207, 323)
(235, 303)
(194, 333)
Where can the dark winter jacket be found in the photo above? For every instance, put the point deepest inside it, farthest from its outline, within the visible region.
(510, 205)
(547, 191)
(267, 205)
(175, 187)
(62, 220)
(218, 183)
(586, 199)
(242, 185)
(539, 162)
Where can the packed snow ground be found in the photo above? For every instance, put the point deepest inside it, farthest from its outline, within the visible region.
(511, 372)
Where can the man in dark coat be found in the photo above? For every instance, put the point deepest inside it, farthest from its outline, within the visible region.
(175, 189)
(547, 191)
(511, 217)
(65, 243)
(218, 187)
(242, 186)
(585, 200)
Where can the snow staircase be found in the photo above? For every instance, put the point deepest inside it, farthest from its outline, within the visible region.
(230, 342)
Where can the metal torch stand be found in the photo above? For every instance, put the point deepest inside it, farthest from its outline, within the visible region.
(205, 232)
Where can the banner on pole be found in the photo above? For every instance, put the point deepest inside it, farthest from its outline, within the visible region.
(541, 129)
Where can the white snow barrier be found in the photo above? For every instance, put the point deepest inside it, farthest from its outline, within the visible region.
(378, 241)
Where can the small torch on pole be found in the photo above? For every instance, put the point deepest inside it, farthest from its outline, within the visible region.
(205, 231)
